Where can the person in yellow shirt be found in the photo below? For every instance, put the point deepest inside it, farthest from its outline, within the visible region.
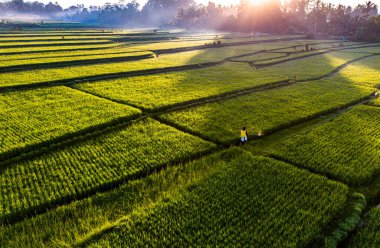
(243, 135)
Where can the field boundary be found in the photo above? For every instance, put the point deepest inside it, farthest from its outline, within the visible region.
(16, 217)
(63, 64)
(8, 157)
(259, 66)
(203, 47)
(30, 151)
(53, 51)
(146, 72)
(55, 44)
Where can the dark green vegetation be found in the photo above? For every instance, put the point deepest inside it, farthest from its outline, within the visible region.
(92, 165)
(369, 234)
(100, 152)
(331, 149)
(30, 118)
(291, 205)
(267, 111)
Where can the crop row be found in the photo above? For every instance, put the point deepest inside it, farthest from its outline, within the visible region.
(7, 45)
(169, 60)
(368, 235)
(364, 73)
(92, 165)
(24, 65)
(28, 118)
(304, 55)
(346, 148)
(326, 63)
(163, 90)
(253, 201)
(32, 34)
(109, 50)
(282, 53)
(27, 50)
(174, 88)
(109, 53)
(35, 57)
(71, 223)
(264, 112)
(182, 45)
(375, 102)
(55, 38)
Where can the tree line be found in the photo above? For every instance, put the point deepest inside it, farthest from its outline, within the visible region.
(361, 22)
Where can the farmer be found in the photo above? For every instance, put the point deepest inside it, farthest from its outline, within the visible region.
(243, 135)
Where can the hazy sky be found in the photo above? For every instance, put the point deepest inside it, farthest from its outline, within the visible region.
(67, 3)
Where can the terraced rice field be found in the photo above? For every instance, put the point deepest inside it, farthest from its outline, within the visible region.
(127, 138)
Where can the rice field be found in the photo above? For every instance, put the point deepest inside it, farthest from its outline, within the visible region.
(131, 138)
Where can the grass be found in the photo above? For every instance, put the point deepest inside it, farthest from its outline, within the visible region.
(164, 90)
(364, 73)
(82, 173)
(193, 57)
(375, 102)
(314, 66)
(72, 223)
(69, 37)
(96, 164)
(66, 54)
(5, 45)
(368, 235)
(327, 63)
(4, 51)
(264, 112)
(280, 55)
(262, 202)
(31, 117)
(200, 41)
(345, 148)
(67, 59)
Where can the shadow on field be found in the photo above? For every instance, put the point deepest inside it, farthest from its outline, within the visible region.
(218, 120)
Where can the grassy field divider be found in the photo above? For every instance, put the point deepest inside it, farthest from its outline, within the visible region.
(313, 54)
(348, 224)
(287, 54)
(300, 166)
(185, 130)
(45, 207)
(63, 50)
(17, 155)
(42, 208)
(145, 72)
(40, 148)
(106, 98)
(29, 67)
(52, 40)
(202, 47)
(53, 44)
(218, 97)
(111, 76)
(339, 68)
(337, 109)
(109, 227)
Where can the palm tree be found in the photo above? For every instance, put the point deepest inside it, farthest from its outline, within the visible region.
(368, 8)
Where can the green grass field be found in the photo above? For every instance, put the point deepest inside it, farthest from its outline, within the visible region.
(97, 150)
(267, 111)
(369, 234)
(345, 148)
(292, 204)
(33, 117)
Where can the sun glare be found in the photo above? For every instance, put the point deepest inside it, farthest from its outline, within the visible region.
(232, 2)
